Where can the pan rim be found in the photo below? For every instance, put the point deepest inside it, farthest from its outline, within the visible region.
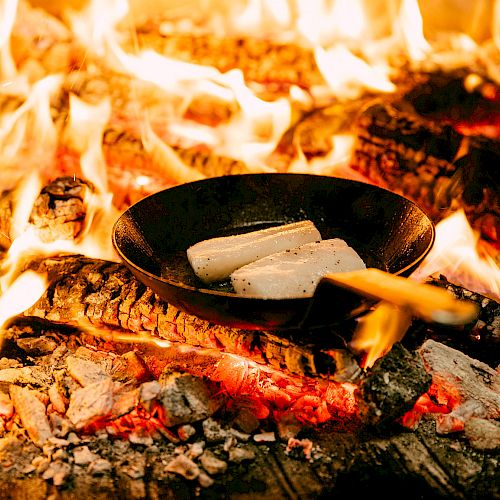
(235, 296)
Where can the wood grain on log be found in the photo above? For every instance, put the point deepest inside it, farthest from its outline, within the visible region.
(58, 212)
(97, 293)
(260, 60)
(429, 162)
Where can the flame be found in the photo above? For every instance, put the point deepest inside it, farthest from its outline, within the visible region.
(30, 127)
(348, 75)
(321, 21)
(8, 10)
(379, 330)
(412, 30)
(456, 255)
(20, 295)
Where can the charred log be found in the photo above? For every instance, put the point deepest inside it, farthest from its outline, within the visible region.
(428, 160)
(95, 293)
(479, 339)
(393, 386)
(262, 61)
(58, 212)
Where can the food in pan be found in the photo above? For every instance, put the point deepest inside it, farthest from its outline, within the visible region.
(296, 272)
(215, 259)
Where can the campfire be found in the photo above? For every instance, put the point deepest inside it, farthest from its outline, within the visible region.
(109, 390)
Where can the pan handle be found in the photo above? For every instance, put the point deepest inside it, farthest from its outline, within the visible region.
(424, 301)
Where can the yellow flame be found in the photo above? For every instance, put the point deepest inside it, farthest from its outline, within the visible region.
(412, 30)
(24, 199)
(8, 10)
(21, 294)
(455, 255)
(379, 330)
(348, 75)
(30, 129)
(322, 21)
(166, 160)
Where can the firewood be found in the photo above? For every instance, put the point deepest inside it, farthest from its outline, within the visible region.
(480, 339)
(32, 413)
(123, 147)
(58, 212)
(41, 44)
(470, 379)
(430, 163)
(92, 292)
(260, 60)
(393, 385)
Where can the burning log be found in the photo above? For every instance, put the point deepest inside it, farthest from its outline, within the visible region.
(41, 44)
(97, 293)
(393, 386)
(429, 161)
(58, 212)
(260, 60)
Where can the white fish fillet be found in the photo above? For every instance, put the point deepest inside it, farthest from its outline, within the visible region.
(215, 259)
(297, 272)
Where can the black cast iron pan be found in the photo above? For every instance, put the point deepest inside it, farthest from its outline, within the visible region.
(388, 231)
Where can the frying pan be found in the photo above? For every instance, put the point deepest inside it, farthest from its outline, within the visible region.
(389, 232)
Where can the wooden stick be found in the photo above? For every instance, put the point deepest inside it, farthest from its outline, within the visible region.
(422, 300)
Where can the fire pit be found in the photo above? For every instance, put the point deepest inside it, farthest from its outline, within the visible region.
(109, 391)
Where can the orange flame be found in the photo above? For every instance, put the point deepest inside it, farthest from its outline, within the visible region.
(455, 254)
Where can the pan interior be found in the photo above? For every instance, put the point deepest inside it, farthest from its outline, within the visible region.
(388, 231)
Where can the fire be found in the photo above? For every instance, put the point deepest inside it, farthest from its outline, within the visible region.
(16, 297)
(8, 10)
(356, 51)
(456, 254)
(379, 330)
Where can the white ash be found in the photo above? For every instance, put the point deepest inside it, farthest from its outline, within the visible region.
(84, 371)
(88, 403)
(149, 390)
(213, 431)
(185, 432)
(265, 437)
(57, 471)
(36, 346)
(454, 421)
(32, 413)
(104, 359)
(99, 467)
(195, 449)
(229, 443)
(83, 456)
(241, 454)
(240, 436)
(140, 438)
(57, 399)
(33, 375)
(204, 480)
(212, 464)
(186, 399)
(183, 466)
(124, 402)
(483, 434)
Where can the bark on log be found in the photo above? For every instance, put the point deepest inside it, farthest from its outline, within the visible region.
(260, 60)
(429, 161)
(91, 292)
(58, 212)
(42, 45)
